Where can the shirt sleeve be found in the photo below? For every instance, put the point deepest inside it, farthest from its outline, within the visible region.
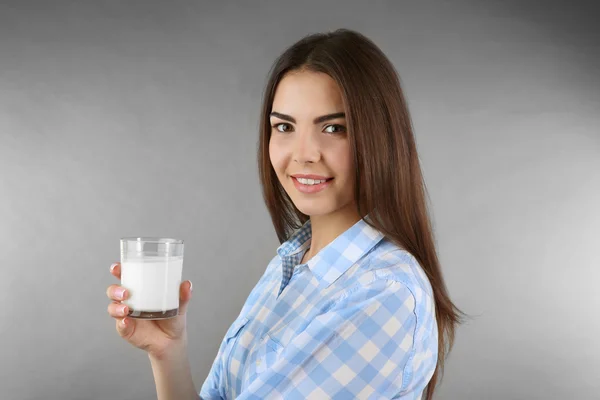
(212, 388)
(359, 349)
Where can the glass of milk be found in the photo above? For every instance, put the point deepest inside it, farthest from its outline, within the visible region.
(151, 271)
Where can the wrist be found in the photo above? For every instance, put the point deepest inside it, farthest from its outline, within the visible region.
(172, 373)
(174, 351)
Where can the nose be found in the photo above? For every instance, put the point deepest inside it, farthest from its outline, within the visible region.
(306, 148)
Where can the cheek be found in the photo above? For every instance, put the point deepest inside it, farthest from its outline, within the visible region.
(276, 157)
(272, 153)
(342, 161)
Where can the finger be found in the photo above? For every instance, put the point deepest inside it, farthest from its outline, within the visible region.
(185, 294)
(116, 292)
(115, 269)
(125, 327)
(117, 310)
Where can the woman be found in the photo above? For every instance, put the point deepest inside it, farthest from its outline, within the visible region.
(354, 304)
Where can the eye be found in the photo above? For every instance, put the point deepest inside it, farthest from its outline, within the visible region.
(282, 127)
(336, 128)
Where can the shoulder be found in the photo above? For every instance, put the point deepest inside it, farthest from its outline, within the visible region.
(391, 290)
(388, 262)
(388, 270)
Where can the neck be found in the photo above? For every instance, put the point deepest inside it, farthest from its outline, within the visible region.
(325, 228)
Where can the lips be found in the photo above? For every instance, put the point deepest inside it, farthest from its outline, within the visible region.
(308, 189)
(311, 176)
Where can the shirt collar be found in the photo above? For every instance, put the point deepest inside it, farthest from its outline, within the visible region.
(339, 255)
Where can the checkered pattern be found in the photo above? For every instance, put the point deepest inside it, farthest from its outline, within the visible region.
(357, 321)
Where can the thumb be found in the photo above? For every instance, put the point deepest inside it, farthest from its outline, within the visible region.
(185, 294)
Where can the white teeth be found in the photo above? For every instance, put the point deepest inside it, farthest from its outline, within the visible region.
(310, 181)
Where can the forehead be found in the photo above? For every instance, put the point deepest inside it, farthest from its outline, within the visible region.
(307, 93)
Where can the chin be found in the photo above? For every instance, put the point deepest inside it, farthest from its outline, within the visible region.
(314, 209)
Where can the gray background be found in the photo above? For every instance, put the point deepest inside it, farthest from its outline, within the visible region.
(126, 118)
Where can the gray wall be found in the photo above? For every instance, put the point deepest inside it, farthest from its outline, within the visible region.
(140, 118)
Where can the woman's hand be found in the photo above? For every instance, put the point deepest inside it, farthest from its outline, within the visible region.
(156, 337)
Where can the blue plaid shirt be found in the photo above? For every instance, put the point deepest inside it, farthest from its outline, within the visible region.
(357, 321)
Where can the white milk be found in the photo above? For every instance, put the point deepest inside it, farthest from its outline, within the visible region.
(153, 283)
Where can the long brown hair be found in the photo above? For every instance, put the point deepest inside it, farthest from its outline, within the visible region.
(389, 185)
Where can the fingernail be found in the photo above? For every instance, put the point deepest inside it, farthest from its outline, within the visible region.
(119, 292)
(112, 267)
(123, 322)
(191, 286)
(122, 310)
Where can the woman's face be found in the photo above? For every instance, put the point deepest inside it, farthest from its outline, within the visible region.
(309, 140)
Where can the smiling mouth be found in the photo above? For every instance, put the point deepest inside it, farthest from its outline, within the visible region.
(310, 186)
(310, 181)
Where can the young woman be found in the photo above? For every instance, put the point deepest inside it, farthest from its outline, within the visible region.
(354, 305)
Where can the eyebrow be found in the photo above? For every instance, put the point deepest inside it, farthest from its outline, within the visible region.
(317, 120)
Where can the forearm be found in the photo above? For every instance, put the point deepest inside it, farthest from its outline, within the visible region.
(172, 375)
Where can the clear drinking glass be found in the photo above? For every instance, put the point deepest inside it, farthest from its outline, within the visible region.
(151, 270)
